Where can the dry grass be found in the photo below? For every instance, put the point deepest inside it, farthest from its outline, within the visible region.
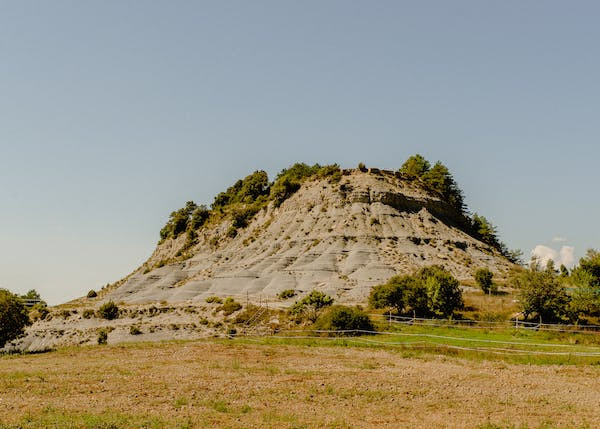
(237, 384)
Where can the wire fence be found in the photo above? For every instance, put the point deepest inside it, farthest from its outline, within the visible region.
(487, 325)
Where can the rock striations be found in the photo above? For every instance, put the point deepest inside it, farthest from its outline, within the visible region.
(339, 237)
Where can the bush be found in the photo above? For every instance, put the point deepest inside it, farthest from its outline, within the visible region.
(88, 313)
(92, 294)
(483, 278)
(214, 299)
(287, 294)
(343, 318)
(311, 304)
(230, 306)
(108, 311)
(430, 290)
(38, 312)
(134, 330)
(361, 167)
(102, 337)
(13, 317)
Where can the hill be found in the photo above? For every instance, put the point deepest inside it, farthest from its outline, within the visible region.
(324, 228)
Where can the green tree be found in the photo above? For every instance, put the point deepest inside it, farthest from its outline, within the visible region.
(443, 291)
(312, 304)
(484, 279)
(590, 263)
(392, 294)
(14, 317)
(541, 294)
(439, 180)
(415, 166)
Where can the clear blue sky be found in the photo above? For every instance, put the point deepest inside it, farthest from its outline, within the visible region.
(114, 113)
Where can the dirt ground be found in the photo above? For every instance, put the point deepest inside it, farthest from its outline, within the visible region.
(233, 384)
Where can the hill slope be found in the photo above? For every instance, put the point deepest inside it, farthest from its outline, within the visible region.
(340, 237)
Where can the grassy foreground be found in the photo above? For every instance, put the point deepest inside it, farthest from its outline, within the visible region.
(287, 383)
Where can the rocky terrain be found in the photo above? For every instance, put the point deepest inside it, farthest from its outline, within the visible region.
(340, 238)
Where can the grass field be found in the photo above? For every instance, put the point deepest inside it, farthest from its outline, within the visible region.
(298, 383)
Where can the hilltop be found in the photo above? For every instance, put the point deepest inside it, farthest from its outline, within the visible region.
(339, 231)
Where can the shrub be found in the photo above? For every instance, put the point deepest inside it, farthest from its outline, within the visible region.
(134, 330)
(361, 167)
(38, 312)
(311, 304)
(65, 314)
(88, 313)
(108, 310)
(343, 318)
(230, 306)
(102, 337)
(13, 317)
(214, 299)
(92, 294)
(541, 294)
(287, 294)
(483, 278)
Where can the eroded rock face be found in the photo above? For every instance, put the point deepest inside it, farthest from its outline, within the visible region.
(340, 238)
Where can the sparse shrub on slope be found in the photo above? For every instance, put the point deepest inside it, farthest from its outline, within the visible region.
(108, 311)
(287, 294)
(230, 306)
(14, 317)
(484, 279)
(343, 318)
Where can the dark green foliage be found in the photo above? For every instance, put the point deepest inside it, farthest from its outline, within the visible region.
(287, 294)
(438, 179)
(362, 167)
(38, 312)
(541, 294)
(134, 330)
(92, 294)
(483, 278)
(244, 191)
(590, 264)
(443, 292)
(432, 290)
(241, 216)
(230, 306)
(392, 294)
(88, 313)
(343, 318)
(109, 311)
(178, 221)
(289, 180)
(415, 166)
(311, 305)
(102, 337)
(13, 317)
(199, 217)
(484, 230)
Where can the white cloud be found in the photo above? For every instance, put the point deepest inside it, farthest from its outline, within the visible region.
(559, 240)
(565, 256)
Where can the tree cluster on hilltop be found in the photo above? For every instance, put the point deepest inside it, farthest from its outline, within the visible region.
(439, 180)
(244, 199)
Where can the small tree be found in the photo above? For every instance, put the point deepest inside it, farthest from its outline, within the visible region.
(483, 277)
(13, 317)
(415, 166)
(392, 294)
(443, 292)
(311, 304)
(542, 295)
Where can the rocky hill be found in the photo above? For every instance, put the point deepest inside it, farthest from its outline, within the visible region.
(339, 233)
